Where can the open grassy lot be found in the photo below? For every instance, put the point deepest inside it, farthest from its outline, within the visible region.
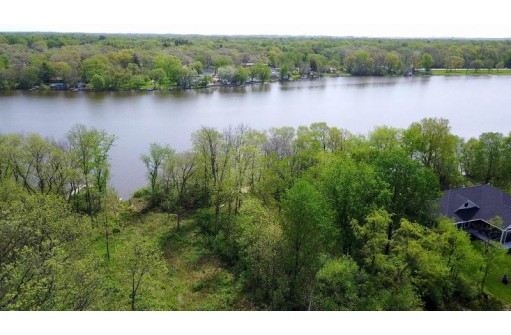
(192, 279)
(494, 285)
(471, 72)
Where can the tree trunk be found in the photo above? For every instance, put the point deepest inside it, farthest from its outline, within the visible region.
(107, 241)
(132, 296)
(88, 199)
(390, 232)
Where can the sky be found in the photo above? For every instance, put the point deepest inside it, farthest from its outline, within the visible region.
(359, 18)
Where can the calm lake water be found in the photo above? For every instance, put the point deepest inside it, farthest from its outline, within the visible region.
(472, 104)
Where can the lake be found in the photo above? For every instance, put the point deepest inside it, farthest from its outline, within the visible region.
(473, 104)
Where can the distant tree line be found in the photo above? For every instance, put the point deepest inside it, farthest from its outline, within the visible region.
(113, 62)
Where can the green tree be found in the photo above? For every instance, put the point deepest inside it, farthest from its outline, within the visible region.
(221, 61)
(384, 138)
(139, 260)
(4, 62)
(171, 65)
(307, 231)
(393, 64)
(260, 244)
(352, 190)
(262, 72)
(484, 159)
(226, 74)
(178, 172)
(98, 82)
(285, 72)
(98, 66)
(89, 149)
(477, 64)
(44, 167)
(413, 189)
(359, 63)
(68, 74)
(240, 76)
(375, 239)
(453, 63)
(426, 61)
(339, 286)
(430, 142)
(159, 76)
(158, 154)
(460, 257)
(197, 66)
(46, 72)
(214, 157)
(391, 286)
(28, 77)
(42, 244)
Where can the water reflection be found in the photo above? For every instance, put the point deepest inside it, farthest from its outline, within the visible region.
(261, 87)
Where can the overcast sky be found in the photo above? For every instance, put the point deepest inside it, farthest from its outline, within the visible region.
(372, 18)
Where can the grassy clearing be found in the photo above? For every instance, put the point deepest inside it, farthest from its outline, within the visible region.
(199, 278)
(195, 279)
(493, 284)
(470, 72)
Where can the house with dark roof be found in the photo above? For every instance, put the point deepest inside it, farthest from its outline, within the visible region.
(475, 210)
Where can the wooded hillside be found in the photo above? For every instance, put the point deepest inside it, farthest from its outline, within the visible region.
(286, 219)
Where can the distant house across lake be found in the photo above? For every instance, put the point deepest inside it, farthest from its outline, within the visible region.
(483, 211)
(58, 86)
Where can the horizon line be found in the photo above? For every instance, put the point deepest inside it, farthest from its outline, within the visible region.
(251, 35)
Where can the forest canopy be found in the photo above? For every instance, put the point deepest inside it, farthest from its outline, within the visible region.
(113, 62)
(313, 218)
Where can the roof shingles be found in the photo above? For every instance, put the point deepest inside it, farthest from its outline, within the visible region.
(489, 202)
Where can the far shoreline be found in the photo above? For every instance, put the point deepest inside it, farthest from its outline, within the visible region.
(177, 88)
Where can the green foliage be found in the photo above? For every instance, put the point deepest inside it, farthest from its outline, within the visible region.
(124, 60)
(29, 77)
(139, 260)
(413, 188)
(352, 190)
(98, 82)
(43, 246)
(339, 286)
(89, 150)
(153, 163)
(260, 247)
(385, 138)
(313, 218)
(307, 231)
(359, 63)
(485, 160)
(4, 62)
(261, 71)
(158, 75)
(431, 143)
(171, 65)
(426, 61)
(197, 67)
(95, 66)
(221, 61)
